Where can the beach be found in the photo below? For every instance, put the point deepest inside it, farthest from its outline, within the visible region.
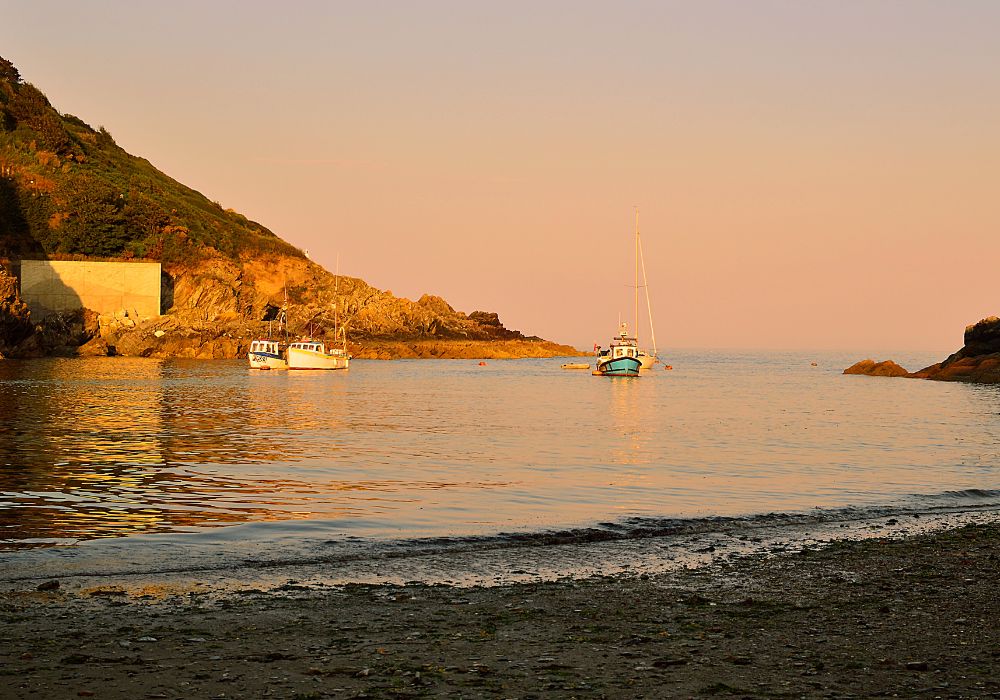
(907, 616)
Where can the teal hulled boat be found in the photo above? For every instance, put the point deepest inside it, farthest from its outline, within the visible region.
(621, 359)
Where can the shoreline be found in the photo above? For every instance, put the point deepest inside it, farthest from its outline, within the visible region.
(912, 614)
(373, 350)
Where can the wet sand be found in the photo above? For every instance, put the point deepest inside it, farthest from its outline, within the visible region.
(909, 617)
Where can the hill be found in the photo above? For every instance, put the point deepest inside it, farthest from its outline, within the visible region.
(68, 191)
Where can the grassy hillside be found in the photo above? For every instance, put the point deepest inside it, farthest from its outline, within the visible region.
(67, 189)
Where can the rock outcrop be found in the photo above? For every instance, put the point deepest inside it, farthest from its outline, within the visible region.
(870, 368)
(978, 361)
(15, 323)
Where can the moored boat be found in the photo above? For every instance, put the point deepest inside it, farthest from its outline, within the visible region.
(308, 353)
(266, 354)
(621, 359)
(313, 354)
(646, 360)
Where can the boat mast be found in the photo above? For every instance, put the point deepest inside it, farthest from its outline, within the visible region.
(649, 307)
(636, 305)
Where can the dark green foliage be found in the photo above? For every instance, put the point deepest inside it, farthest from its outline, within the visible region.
(8, 73)
(66, 189)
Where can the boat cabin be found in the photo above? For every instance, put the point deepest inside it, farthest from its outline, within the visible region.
(624, 345)
(624, 351)
(268, 347)
(311, 346)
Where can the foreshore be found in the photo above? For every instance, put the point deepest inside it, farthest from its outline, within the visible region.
(908, 617)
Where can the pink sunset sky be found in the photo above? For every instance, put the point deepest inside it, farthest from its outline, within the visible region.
(809, 175)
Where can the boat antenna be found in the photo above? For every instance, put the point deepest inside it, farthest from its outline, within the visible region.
(283, 319)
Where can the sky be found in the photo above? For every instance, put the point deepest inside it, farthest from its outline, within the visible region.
(808, 175)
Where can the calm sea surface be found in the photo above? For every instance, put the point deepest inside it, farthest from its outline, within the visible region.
(119, 448)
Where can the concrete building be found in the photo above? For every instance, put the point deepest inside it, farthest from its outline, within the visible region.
(54, 286)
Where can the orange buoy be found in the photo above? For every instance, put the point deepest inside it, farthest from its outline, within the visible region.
(668, 367)
(482, 364)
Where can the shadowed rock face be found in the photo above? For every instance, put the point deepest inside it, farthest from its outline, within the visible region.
(870, 368)
(15, 325)
(978, 361)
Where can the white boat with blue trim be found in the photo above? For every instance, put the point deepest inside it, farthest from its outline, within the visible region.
(267, 354)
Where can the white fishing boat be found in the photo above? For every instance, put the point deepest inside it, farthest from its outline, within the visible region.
(313, 354)
(266, 354)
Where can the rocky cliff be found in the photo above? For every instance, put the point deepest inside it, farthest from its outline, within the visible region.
(218, 306)
(978, 361)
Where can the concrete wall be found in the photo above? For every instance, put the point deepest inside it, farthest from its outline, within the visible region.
(52, 286)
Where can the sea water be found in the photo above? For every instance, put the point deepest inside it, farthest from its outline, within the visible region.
(218, 458)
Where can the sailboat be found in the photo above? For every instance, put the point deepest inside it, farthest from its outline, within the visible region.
(647, 359)
(625, 358)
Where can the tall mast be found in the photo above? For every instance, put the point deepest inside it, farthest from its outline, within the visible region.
(636, 305)
(649, 307)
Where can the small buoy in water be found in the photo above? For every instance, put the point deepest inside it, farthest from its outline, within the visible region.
(813, 364)
(668, 367)
(482, 364)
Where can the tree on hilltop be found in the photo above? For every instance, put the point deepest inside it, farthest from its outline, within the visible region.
(8, 71)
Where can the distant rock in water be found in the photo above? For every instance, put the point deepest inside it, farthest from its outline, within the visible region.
(870, 368)
(978, 361)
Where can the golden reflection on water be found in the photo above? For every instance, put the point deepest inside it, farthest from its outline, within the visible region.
(108, 448)
(94, 448)
(114, 446)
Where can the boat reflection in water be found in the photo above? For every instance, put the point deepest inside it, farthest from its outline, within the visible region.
(111, 447)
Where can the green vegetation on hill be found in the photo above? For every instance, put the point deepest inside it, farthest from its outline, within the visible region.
(66, 189)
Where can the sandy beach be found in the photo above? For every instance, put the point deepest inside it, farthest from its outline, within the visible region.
(906, 617)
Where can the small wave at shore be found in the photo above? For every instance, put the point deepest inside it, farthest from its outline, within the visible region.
(966, 496)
